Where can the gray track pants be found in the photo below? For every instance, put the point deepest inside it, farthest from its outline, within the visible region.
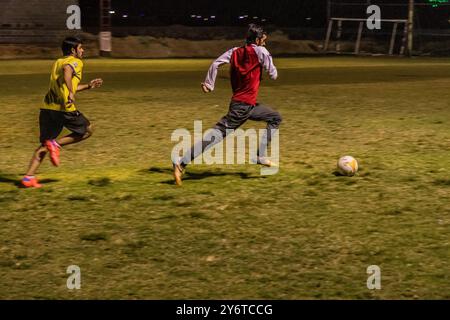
(238, 113)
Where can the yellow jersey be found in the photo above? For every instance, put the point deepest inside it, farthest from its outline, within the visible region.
(57, 97)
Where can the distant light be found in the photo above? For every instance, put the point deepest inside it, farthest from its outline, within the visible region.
(308, 18)
(213, 17)
(112, 12)
(193, 15)
(255, 17)
(263, 20)
(437, 3)
(199, 17)
(125, 16)
(206, 19)
(246, 15)
(241, 17)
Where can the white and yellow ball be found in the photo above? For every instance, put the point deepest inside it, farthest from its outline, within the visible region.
(347, 166)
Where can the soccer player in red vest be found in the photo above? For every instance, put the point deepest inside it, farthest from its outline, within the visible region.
(246, 65)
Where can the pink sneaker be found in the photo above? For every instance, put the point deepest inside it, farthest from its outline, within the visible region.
(30, 182)
(53, 148)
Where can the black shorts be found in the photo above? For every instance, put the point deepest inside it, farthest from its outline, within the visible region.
(52, 122)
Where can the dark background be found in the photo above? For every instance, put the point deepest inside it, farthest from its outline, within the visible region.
(282, 13)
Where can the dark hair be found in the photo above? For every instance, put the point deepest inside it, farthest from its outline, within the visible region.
(70, 43)
(254, 32)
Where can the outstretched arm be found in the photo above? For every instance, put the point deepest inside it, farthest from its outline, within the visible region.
(265, 58)
(96, 83)
(210, 80)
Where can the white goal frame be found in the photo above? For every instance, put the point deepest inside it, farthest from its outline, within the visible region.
(395, 22)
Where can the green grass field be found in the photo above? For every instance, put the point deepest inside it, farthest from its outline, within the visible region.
(229, 233)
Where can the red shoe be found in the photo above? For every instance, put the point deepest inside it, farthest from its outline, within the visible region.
(30, 182)
(53, 148)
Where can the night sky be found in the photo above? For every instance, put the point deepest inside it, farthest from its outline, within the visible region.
(283, 13)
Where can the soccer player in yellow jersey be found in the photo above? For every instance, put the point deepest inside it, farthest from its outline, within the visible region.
(59, 109)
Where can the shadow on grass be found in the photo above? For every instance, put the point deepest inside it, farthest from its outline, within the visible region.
(203, 175)
(100, 182)
(16, 182)
(158, 170)
(442, 182)
(338, 174)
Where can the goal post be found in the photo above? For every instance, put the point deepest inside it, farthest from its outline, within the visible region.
(361, 26)
(409, 27)
(104, 35)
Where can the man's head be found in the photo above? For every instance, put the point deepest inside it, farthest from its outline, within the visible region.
(256, 35)
(72, 46)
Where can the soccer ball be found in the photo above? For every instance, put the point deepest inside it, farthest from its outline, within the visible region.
(347, 166)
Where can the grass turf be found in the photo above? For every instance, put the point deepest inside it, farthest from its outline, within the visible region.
(111, 207)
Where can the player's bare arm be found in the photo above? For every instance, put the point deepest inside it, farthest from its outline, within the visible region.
(96, 83)
(68, 74)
